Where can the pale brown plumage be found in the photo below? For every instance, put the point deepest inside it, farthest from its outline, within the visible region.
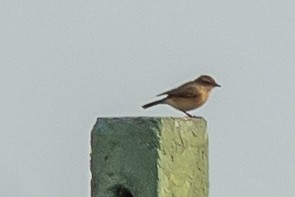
(188, 96)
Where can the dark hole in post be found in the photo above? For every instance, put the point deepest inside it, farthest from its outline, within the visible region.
(121, 191)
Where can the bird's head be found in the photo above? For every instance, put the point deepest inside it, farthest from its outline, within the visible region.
(207, 81)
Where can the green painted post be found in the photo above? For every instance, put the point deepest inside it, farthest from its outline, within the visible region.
(149, 157)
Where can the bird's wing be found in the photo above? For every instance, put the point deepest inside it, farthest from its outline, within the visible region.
(186, 90)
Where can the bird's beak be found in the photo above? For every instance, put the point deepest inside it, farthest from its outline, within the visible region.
(217, 85)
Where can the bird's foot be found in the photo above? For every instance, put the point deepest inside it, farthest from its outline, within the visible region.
(197, 117)
(192, 116)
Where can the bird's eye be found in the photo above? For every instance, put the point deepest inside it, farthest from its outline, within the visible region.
(207, 82)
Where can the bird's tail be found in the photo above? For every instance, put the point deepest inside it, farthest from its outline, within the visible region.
(162, 101)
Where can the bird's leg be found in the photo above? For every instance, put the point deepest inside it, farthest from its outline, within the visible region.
(191, 116)
(187, 114)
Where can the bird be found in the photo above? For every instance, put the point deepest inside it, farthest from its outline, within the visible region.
(188, 96)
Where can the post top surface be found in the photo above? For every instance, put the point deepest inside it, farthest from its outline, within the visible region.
(155, 118)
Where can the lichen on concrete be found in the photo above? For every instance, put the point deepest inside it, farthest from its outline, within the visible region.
(183, 162)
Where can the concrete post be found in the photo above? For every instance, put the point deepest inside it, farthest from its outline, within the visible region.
(149, 157)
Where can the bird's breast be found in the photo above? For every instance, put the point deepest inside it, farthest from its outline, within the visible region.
(186, 104)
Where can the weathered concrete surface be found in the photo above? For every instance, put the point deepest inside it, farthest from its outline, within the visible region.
(149, 157)
(183, 158)
(125, 152)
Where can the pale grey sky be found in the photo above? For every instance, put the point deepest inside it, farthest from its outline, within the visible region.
(65, 63)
